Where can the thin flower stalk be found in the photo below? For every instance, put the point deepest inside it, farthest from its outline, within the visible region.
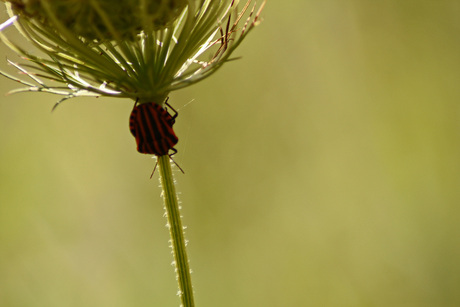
(178, 244)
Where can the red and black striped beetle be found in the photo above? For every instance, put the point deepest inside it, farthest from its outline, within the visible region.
(152, 127)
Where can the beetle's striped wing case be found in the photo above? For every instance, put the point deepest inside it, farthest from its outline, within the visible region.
(151, 125)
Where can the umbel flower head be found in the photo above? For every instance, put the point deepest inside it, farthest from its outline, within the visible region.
(95, 20)
(139, 49)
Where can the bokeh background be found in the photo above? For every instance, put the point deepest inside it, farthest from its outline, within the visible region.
(322, 169)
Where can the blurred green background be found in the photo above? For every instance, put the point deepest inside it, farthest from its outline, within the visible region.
(322, 169)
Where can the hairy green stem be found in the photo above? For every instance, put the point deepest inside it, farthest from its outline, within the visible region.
(176, 231)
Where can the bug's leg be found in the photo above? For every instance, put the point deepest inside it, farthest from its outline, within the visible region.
(135, 103)
(175, 112)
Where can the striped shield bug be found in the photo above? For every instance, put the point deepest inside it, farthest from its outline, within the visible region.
(151, 125)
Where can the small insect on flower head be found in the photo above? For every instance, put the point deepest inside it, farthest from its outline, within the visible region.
(152, 126)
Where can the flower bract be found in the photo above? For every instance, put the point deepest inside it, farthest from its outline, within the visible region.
(139, 49)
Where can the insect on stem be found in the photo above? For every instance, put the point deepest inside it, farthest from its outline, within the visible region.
(152, 127)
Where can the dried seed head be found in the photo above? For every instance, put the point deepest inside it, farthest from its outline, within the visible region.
(101, 20)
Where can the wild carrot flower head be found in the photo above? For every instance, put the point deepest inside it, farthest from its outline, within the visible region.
(139, 49)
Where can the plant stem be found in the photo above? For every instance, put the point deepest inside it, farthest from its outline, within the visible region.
(176, 231)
